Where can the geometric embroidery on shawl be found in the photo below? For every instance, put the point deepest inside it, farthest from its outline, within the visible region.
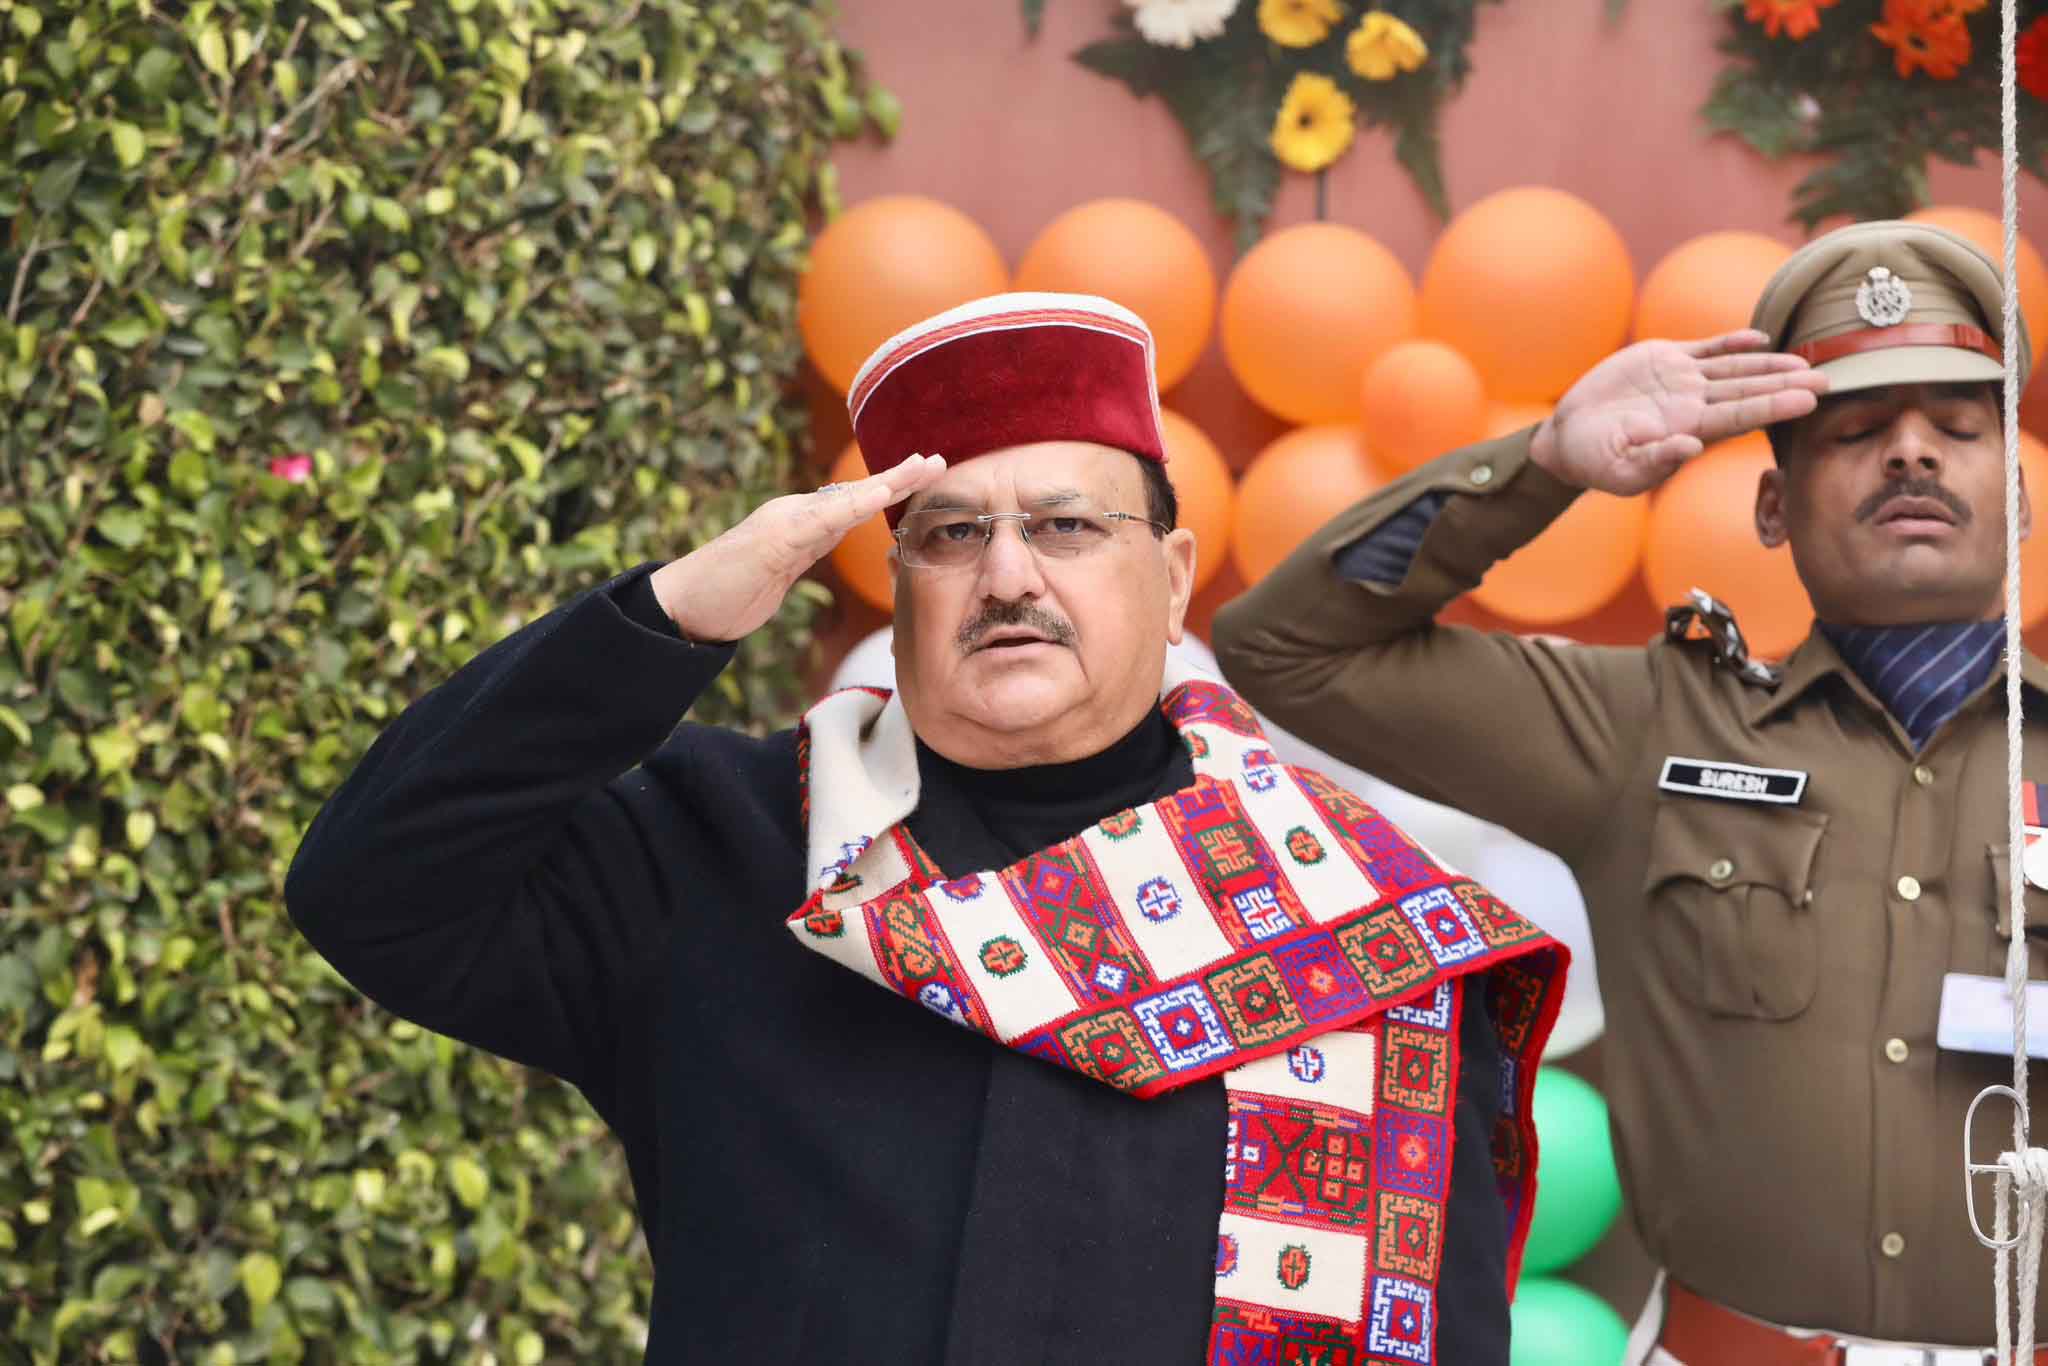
(1432, 1012)
(1501, 927)
(1389, 859)
(1303, 847)
(914, 958)
(1212, 704)
(1003, 955)
(1411, 1153)
(825, 924)
(1408, 1236)
(1516, 996)
(1110, 1047)
(1387, 952)
(1231, 864)
(1447, 931)
(1122, 825)
(1184, 1027)
(1320, 978)
(1309, 1164)
(1247, 1335)
(1507, 1147)
(1255, 1002)
(1416, 1069)
(1403, 1324)
(1063, 901)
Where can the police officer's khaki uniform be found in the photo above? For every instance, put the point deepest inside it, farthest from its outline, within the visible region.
(1777, 881)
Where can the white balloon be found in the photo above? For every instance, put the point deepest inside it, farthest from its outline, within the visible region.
(1536, 883)
(868, 664)
(1192, 653)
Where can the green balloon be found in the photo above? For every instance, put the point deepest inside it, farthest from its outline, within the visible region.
(1556, 1323)
(1577, 1191)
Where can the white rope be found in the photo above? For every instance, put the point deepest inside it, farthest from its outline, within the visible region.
(2022, 1182)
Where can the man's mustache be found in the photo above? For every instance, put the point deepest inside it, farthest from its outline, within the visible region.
(1914, 488)
(1015, 613)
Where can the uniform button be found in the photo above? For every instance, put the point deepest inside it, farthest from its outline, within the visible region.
(1923, 775)
(1482, 475)
(1896, 1049)
(1909, 888)
(1892, 1245)
(1721, 870)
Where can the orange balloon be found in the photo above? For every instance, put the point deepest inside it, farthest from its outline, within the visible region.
(1421, 398)
(1294, 486)
(883, 265)
(1202, 480)
(2034, 407)
(1707, 285)
(2034, 549)
(1306, 311)
(1702, 534)
(1502, 418)
(1535, 287)
(1140, 256)
(862, 559)
(1576, 565)
(1987, 231)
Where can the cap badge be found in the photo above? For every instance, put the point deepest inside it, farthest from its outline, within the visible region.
(1883, 300)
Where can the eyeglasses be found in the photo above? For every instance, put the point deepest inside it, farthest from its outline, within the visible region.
(955, 538)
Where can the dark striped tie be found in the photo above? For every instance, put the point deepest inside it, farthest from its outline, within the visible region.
(1921, 673)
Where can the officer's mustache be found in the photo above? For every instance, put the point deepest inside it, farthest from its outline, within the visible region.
(1914, 488)
(1016, 612)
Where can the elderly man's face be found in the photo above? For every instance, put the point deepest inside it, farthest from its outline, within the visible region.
(1893, 501)
(1021, 655)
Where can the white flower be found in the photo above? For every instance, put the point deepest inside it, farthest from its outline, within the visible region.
(1180, 23)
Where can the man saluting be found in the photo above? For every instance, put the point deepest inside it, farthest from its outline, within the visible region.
(1183, 1055)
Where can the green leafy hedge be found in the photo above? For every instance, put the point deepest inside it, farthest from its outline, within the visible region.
(335, 341)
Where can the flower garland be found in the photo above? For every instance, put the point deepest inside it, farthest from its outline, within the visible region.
(1875, 88)
(1263, 86)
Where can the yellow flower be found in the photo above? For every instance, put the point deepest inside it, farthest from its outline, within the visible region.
(1298, 23)
(1315, 123)
(1382, 45)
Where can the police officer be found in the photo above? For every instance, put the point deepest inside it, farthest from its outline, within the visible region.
(1796, 873)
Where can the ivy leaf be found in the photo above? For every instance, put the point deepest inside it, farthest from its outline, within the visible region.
(124, 526)
(1228, 111)
(886, 111)
(127, 141)
(1417, 148)
(261, 1277)
(155, 71)
(471, 1182)
(54, 186)
(213, 51)
(1135, 62)
(1756, 110)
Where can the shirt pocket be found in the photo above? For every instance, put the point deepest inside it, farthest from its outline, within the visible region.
(1730, 913)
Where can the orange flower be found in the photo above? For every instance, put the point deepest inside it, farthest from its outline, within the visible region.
(1794, 18)
(2032, 58)
(1927, 35)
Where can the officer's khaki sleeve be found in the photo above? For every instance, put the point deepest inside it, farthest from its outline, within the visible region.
(1534, 736)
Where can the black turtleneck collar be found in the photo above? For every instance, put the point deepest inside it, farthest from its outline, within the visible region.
(970, 819)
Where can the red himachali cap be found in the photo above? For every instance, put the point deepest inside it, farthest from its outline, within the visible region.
(1009, 370)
